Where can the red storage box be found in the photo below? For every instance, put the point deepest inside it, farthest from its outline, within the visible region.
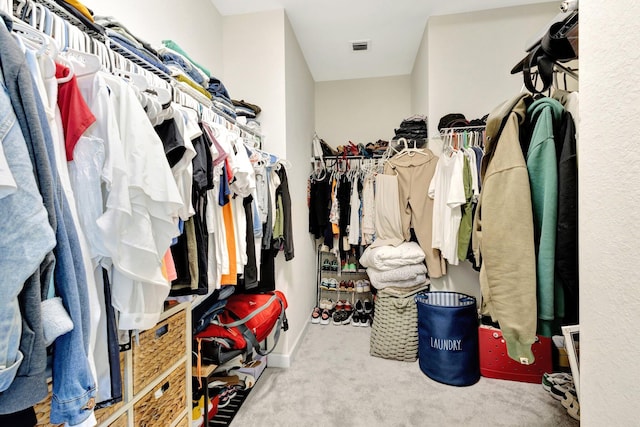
(496, 363)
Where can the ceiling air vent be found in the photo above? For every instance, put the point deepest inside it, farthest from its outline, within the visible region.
(360, 46)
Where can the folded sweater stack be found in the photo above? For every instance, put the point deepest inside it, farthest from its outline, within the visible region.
(399, 266)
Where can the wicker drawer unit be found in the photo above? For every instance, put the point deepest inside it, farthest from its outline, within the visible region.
(159, 348)
(164, 402)
(184, 422)
(122, 421)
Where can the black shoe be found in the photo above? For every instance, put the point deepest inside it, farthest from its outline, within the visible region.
(355, 319)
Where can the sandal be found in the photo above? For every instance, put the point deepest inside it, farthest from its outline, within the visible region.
(315, 316)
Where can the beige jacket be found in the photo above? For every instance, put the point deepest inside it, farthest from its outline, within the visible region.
(503, 232)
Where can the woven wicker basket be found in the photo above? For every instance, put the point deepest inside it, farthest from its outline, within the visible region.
(394, 334)
(159, 348)
(122, 421)
(43, 411)
(184, 422)
(160, 406)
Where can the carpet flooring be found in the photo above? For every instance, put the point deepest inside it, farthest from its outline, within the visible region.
(335, 382)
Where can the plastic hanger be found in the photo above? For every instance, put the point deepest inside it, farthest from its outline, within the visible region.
(35, 38)
(84, 63)
(406, 150)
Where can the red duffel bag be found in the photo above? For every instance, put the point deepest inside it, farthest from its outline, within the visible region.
(248, 319)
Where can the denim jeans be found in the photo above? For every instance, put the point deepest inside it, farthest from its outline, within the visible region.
(74, 387)
(26, 234)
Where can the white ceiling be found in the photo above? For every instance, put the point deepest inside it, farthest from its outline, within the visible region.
(326, 28)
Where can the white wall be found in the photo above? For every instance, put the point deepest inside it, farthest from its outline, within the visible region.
(361, 110)
(471, 55)
(608, 200)
(296, 278)
(420, 78)
(254, 62)
(264, 65)
(195, 25)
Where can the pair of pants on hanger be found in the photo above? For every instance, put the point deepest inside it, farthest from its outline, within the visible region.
(414, 173)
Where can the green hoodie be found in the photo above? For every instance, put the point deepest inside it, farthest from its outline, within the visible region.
(542, 166)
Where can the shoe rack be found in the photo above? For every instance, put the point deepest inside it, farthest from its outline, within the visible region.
(340, 279)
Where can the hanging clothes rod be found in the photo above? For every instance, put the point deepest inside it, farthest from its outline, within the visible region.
(115, 46)
(456, 129)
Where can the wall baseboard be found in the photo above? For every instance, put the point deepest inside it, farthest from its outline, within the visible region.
(285, 360)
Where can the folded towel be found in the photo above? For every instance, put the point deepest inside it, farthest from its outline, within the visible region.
(406, 272)
(420, 279)
(390, 257)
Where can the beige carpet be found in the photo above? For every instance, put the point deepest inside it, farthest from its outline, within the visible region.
(335, 382)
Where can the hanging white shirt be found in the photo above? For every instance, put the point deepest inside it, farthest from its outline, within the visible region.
(183, 170)
(139, 287)
(354, 218)
(447, 191)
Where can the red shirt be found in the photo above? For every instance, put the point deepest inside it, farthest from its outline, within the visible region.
(76, 115)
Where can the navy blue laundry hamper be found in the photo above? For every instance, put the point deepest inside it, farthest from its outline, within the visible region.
(448, 337)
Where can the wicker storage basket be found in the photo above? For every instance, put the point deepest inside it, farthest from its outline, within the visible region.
(159, 348)
(394, 334)
(160, 406)
(184, 422)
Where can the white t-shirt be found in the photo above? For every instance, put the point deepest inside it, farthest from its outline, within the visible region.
(447, 191)
(143, 236)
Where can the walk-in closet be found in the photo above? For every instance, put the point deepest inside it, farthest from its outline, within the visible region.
(298, 213)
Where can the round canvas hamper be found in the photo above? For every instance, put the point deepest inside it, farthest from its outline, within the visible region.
(448, 337)
(394, 334)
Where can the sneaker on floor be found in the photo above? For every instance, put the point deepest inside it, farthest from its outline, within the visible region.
(364, 320)
(558, 392)
(574, 410)
(355, 319)
(324, 317)
(560, 378)
(315, 316)
(346, 317)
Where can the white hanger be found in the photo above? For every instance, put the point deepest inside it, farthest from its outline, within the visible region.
(406, 150)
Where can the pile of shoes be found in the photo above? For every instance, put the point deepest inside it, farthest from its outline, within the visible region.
(561, 387)
(342, 312)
